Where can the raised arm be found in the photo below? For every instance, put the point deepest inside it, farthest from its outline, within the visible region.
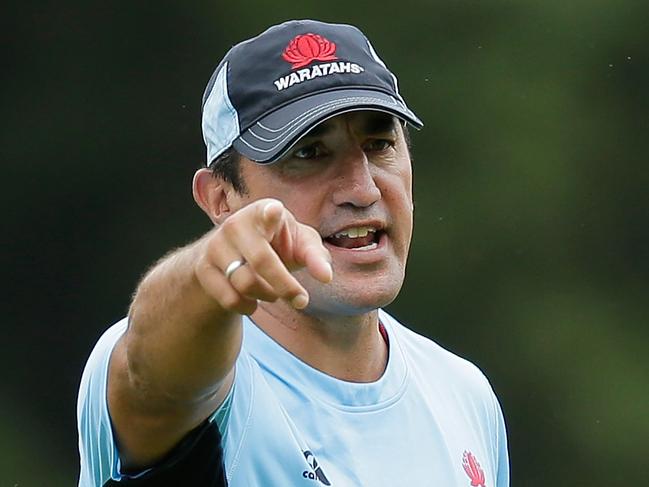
(174, 365)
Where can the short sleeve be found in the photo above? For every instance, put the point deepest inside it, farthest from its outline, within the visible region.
(502, 478)
(198, 455)
(98, 453)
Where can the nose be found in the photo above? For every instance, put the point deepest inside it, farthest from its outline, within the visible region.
(355, 184)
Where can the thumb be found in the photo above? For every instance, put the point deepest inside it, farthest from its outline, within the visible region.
(312, 254)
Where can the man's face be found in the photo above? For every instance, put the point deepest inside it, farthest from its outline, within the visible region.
(350, 178)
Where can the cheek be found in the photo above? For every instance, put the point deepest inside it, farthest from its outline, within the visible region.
(401, 214)
(398, 197)
(305, 211)
(406, 176)
(398, 174)
(304, 202)
(396, 189)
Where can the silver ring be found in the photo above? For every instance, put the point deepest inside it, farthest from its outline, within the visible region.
(233, 266)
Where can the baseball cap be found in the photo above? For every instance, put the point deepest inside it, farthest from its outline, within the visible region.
(270, 90)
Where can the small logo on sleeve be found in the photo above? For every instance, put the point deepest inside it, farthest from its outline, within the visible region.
(473, 470)
(316, 472)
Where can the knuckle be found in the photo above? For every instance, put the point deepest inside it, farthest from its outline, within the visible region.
(258, 258)
(228, 226)
(214, 246)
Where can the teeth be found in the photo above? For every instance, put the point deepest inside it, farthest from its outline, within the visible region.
(355, 232)
(371, 246)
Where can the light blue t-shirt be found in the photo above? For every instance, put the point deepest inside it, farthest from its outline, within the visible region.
(431, 420)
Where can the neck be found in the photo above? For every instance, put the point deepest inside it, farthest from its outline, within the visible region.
(349, 348)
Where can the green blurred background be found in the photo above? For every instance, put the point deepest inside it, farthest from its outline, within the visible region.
(531, 253)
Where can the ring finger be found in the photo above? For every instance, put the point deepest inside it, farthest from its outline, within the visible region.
(250, 284)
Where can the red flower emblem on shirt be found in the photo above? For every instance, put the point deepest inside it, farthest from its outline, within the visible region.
(473, 470)
(306, 48)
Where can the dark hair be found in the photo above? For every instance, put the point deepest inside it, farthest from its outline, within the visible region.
(406, 136)
(227, 167)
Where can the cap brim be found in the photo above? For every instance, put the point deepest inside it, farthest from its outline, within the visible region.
(269, 138)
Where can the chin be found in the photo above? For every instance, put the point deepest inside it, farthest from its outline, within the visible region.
(340, 300)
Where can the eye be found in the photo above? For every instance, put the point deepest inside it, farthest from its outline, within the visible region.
(310, 151)
(378, 145)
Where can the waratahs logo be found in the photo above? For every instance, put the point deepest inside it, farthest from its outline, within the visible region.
(473, 470)
(303, 50)
(306, 48)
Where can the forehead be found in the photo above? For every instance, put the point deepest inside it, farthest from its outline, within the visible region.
(362, 121)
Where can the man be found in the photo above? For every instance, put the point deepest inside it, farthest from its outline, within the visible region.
(259, 355)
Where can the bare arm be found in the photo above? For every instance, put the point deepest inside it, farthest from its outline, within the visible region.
(174, 365)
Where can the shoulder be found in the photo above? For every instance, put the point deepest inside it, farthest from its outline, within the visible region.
(459, 391)
(432, 362)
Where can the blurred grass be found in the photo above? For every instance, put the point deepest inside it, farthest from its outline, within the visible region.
(29, 456)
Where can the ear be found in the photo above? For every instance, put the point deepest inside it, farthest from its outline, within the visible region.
(213, 195)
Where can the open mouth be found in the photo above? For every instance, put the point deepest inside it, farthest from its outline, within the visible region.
(356, 238)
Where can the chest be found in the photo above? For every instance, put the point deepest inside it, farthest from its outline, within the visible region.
(422, 438)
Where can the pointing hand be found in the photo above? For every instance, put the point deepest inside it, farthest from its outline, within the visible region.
(270, 242)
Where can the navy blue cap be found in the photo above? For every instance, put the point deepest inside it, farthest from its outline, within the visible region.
(270, 90)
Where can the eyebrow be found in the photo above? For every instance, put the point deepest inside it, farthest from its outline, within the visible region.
(319, 130)
(379, 123)
(376, 123)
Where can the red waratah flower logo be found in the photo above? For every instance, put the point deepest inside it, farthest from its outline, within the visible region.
(306, 48)
(473, 470)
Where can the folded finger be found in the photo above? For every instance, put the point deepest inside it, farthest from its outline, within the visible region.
(249, 283)
(219, 288)
(266, 263)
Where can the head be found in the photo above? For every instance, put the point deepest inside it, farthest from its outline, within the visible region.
(321, 127)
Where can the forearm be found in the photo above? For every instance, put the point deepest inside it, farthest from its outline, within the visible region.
(180, 342)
